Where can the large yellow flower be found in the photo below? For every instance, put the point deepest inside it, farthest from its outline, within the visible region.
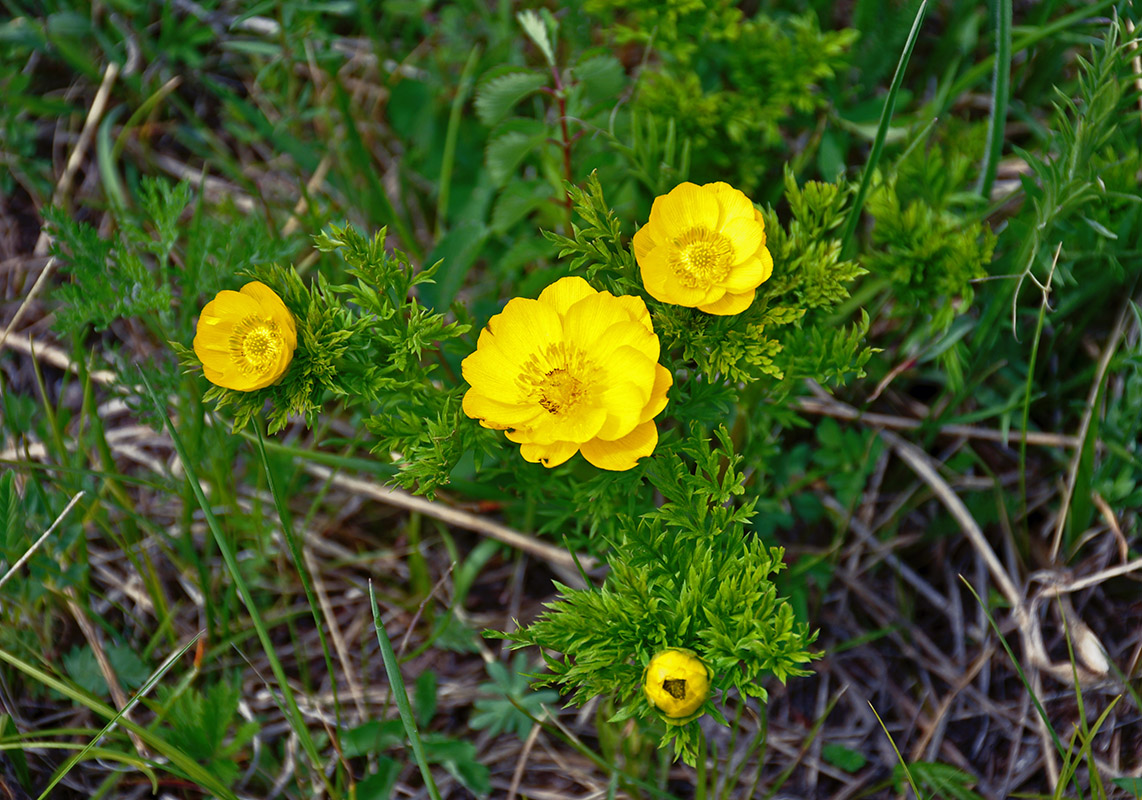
(245, 339)
(677, 683)
(574, 371)
(704, 247)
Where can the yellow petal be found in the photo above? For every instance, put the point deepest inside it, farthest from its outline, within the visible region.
(272, 305)
(233, 306)
(662, 284)
(524, 327)
(549, 455)
(686, 206)
(637, 310)
(732, 202)
(229, 377)
(730, 304)
(628, 334)
(624, 403)
(497, 413)
(490, 371)
(579, 425)
(590, 318)
(760, 220)
(642, 243)
(565, 293)
(624, 453)
(213, 335)
(663, 380)
(749, 275)
(746, 237)
(624, 364)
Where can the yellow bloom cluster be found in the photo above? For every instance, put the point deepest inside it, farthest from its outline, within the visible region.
(574, 371)
(677, 683)
(577, 370)
(704, 247)
(245, 339)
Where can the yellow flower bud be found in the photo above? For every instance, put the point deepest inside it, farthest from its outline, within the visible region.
(677, 683)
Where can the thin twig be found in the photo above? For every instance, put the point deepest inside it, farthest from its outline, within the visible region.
(63, 187)
(461, 519)
(833, 408)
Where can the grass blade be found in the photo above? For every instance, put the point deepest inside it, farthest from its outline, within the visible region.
(111, 723)
(292, 711)
(449, 159)
(307, 583)
(396, 686)
(1000, 96)
(881, 132)
(187, 766)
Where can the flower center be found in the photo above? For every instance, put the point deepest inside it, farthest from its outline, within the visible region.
(701, 258)
(256, 344)
(560, 390)
(558, 377)
(675, 687)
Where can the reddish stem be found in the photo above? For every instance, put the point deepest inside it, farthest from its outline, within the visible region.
(561, 99)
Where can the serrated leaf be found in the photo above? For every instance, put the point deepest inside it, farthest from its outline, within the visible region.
(533, 26)
(506, 152)
(517, 201)
(498, 96)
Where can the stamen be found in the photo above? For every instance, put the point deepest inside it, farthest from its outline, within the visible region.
(255, 345)
(701, 257)
(675, 687)
(558, 377)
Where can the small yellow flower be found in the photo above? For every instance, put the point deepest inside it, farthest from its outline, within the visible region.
(245, 339)
(704, 247)
(677, 684)
(574, 371)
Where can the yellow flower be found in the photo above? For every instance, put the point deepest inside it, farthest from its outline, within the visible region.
(245, 339)
(574, 371)
(704, 247)
(677, 684)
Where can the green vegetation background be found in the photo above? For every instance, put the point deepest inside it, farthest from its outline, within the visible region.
(957, 248)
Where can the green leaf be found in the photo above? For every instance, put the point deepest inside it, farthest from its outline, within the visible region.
(424, 698)
(536, 30)
(508, 149)
(1132, 785)
(372, 737)
(459, 250)
(459, 759)
(842, 757)
(379, 785)
(80, 664)
(499, 95)
(602, 77)
(10, 530)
